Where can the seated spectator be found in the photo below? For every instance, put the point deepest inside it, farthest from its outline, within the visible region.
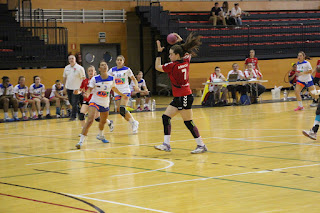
(21, 94)
(293, 75)
(37, 91)
(254, 74)
(58, 95)
(226, 13)
(6, 98)
(218, 89)
(216, 14)
(143, 92)
(236, 88)
(236, 14)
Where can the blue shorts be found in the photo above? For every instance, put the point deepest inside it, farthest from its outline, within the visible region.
(99, 108)
(118, 97)
(305, 84)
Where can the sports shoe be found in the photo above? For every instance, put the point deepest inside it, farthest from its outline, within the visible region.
(58, 116)
(40, 116)
(102, 138)
(78, 145)
(199, 149)
(163, 147)
(72, 119)
(310, 134)
(139, 109)
(314, 104)
(299, 108)
(111, 126)
(146, 108)
(48, 116)
(8, 119)
(25, 118)
(34, 117)
(16, 119)
(135, 126)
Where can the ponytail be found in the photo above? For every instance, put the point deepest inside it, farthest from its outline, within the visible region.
(191, 46)
(305, 55)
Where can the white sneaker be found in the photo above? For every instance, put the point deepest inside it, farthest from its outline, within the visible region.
(102, 138)
(58, 116)
(310, 134)
(314, 104)
(199, 149)
(135, 126)
(163, 147)
(111, 126)
(78, 145)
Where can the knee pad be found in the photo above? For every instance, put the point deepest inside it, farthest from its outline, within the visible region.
(81, 116)
(166, 120)
(138, 95)
(97, 119)
(123, 111)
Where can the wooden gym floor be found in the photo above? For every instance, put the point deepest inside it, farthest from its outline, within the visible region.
(258, 161)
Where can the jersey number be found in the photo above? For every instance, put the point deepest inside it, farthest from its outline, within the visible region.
(184, 71)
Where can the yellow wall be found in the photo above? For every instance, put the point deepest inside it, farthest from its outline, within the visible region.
(48, 76)
(273, 70)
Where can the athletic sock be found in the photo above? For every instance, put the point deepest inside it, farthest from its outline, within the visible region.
(15, 114)
(131, 120)
(23, 114)
(300, 103)
(199, 141)
(100, 132)
(48, 111)
(108, 122)
(6, 115)
(167, 139)
(82, 138)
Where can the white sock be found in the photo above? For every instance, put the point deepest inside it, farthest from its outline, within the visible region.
(138, 106)
(6, 115)
(23, 114)
(108, 121)
(48, 111)
(131, 120)
(145, 105)
(167, 139)
(199, 141)
(15, 114)
(300, 103)
(82, 138)
(100, 132)
(40, 113)
(34, 113)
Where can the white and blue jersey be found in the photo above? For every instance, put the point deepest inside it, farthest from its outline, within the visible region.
(9, 90)
(303, 67)
(141, 83)
(121, 77)
(37, 90)
(101, 90)
(20, 91)
(55, 89)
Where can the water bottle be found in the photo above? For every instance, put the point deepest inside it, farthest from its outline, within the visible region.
(153, 105)
(285, 95)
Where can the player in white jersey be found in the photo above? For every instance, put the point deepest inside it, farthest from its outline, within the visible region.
(100, 87)
(59, 94)
(143, 91)
(37, 91)
(7, 98)
(122, 74)
(304, 79)
(21, 93)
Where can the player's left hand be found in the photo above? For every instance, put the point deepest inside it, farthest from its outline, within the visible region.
(160, 49)
(136, 89)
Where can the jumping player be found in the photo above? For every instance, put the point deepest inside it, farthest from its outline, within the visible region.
(100, 86)
(122, 74)
(178, 71)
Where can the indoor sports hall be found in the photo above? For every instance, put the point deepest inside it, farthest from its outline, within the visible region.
(255, 135)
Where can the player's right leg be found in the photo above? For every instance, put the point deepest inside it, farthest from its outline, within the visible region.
(91, 114)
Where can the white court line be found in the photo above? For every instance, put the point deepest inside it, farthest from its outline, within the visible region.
(122, 204)
(198, 179)
(78, 160)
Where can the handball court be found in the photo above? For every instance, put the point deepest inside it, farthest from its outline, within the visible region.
(258, 161)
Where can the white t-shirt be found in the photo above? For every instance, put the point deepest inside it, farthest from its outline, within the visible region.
(255, 72)
(101, 90)
(54, 88)
(141, 83)
(74, 76)
(9, 90)
(20, 91)
(121, 77)
(302, 67)
(235, 12)
(240, 74)
(37, 90)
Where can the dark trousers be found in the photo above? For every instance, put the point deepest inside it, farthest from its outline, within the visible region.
(74, 101)
(237, 88)
(261, 89)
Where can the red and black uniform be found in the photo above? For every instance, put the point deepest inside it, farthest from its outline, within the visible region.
(84, 85)
(253, 61)
(294, 80)
(316, 79)
(178, 72)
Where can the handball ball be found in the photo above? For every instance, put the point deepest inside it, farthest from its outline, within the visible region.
(172, 38)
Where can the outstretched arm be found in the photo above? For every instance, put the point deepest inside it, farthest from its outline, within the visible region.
(158, 65)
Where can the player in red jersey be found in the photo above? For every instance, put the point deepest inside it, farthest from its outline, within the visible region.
(178, 71)
(91, 71)
(252, 59)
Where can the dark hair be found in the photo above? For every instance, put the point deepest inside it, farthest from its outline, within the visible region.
(57, 81)
(102, 62)
(236, 4)
(216, 68)
(216, 3)
(121, 56)
(5, 78)
(225, 6)
(20, 78)
(234, 64)
(305, 55)
(34, 78)
(191, 46)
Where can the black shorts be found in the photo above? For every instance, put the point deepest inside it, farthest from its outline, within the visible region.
(184, 102)
(316, 81)
(85, 102)
(21, 104)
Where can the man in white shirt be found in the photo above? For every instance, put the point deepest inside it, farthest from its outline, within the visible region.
(236, 88)
(236, 14)
(73, 76)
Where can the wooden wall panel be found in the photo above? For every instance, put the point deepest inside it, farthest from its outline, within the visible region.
(272, 70)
